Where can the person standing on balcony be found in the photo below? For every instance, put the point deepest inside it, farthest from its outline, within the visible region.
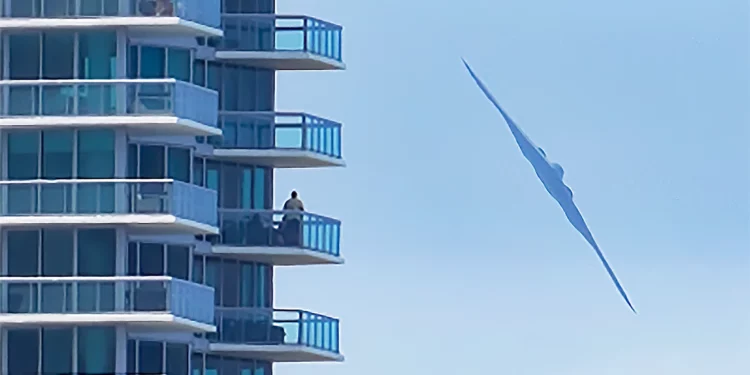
(292, 222)
(293, 204)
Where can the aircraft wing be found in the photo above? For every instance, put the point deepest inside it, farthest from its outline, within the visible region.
(553, 183)
(576, 219)
(528, 148)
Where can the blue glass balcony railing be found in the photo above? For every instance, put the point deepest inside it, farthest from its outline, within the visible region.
(276, 327)
(270, 32)
(115, 294)
(203, 12)
(279, 130)
(96, 197)
(116, 97)
(266, 228)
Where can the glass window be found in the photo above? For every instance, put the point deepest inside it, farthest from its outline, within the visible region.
(259, 189)
(179, 64)
(150, 357)
(25, 59)
(230, 92)
(133, 59)
(23, 351)
(247, 187)
(247, 285)
(177, 359)
(179, 164)
(251, 131)
(230, 290)
(132, 161)
(21, 8)
(229, 130)
(229, 366)
(232, 6)
(214, 77)
(57, 57)
(57, 163)
(265, 86)
(212, 364)
(212, 278)
(262, 296)
(96, 8)
(198, 269)
(23, 155)
(153, 62)
(96, 159)
(96, 153)
(212, 176)
(246, 89)
(230, 185)
(57, 154)
(131, 357)
(97, 57)
(57, 260)
(264, 6)
(57, 252)
(178, 261)
(97, 54)
(57, 8)
(263, 368)
(151, 259)
(152, 162)
(196, 364)
(96, 257)
(23, 164)
(96, 252)
(199, 72)
(132, 259)
(198, 171)
(23, 253)
(246, 367)
(96, 350)
(57, 350)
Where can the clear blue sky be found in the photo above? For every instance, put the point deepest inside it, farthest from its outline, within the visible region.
(458, 261)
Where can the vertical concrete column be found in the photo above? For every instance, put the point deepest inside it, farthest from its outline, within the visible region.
(121, 348)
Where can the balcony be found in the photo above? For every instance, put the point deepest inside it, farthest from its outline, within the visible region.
(144, 106)
(146, 206)
(281, 42)
(276, 336)
(265, 236)
(279, 140)
(186, 18)
(159, 303)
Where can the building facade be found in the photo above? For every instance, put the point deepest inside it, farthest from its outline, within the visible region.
(139, 140)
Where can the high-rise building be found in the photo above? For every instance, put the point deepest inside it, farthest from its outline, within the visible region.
(139, 140)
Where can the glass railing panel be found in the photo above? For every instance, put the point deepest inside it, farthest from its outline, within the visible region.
(277, 327)
(195, 203)
(137, 97)
(278, 130)
(114, 294)
(203, 12)
(265, 228)
(89, 197)
(268, 32)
